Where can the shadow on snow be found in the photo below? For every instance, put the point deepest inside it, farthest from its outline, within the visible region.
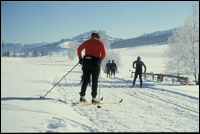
(24, 98)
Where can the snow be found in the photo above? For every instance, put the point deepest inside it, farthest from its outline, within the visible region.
(157, 107)
(65, 44)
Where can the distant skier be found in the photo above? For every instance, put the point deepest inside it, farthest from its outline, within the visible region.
(138, 70)
(108, 69)
(113, 67)
(94, 54)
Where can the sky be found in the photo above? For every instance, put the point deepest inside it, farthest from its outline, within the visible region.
(50, 21)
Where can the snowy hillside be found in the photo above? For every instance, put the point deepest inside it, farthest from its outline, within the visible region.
(159, 37)
(56, 46)
(157, 107)
(170, 31)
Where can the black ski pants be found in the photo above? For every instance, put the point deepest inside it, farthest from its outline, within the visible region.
(140, 77)
(91, 66)
(113, 72)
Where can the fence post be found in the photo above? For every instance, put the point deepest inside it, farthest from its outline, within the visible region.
(187, 81)
(131, 74)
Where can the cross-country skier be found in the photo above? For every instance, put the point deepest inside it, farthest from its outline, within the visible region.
(113, 67)
(94, 54)
(138, 70)
(108, 69)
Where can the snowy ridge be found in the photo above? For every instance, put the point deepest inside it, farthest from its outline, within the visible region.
(170, 31)
(157, 107)
(57, 46)
(65, 44)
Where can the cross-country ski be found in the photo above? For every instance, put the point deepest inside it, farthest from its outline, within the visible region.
(90, 103)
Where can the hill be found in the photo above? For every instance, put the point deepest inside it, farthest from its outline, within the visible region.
(56, 46)
(159, 37)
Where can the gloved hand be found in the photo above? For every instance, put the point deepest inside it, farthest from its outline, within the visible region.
(81, 60)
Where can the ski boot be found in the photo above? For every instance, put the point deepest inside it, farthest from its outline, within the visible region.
(82, 99)
(95, 101)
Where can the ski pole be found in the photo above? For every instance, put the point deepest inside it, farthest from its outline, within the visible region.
(98, 106)
(99, 82)
(59, 80)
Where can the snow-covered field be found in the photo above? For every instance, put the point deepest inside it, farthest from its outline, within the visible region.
(157, 107)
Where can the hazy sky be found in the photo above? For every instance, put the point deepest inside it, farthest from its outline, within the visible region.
(49, 21)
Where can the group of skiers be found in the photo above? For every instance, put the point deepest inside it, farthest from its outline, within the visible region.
(111, 68)
(91, 64)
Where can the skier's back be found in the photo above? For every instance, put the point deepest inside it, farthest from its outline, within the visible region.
(113, 68)
(108, 69)
(138, 70)
(94, 54)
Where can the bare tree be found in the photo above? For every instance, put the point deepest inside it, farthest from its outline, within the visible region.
(183, 49)
(191, 26)
(175, 61)
(71, 51)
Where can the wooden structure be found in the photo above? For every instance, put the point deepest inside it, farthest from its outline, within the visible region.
(160, 77)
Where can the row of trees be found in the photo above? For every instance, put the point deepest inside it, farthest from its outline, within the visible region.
(26, 54)
(183, 52)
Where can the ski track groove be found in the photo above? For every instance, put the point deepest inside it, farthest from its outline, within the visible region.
(171, 99)
(99, 124)
(96, 117)
(193, 100)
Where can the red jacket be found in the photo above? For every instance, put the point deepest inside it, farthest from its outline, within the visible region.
(93, 47)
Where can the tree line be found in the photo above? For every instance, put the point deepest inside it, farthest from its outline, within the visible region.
(35, 53)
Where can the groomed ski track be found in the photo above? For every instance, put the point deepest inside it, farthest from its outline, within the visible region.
(142, 108)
